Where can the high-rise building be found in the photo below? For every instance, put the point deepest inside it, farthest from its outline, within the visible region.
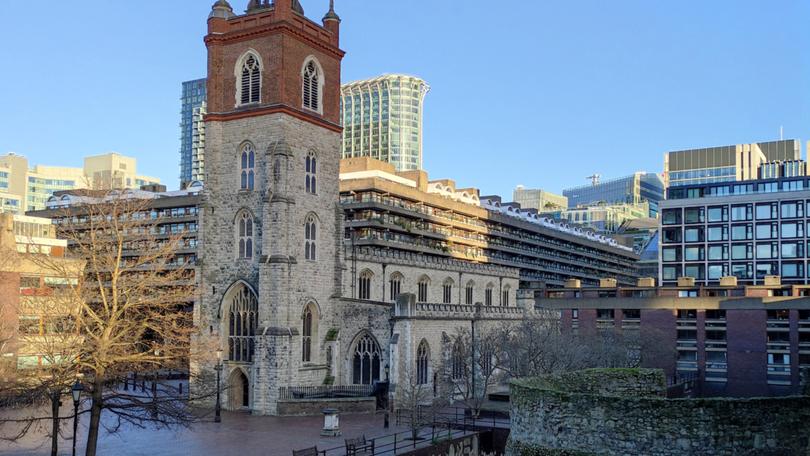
(192, 131)
(535, 198)
(634, 189)
(31, 187)
(726, 163)
(382, 119)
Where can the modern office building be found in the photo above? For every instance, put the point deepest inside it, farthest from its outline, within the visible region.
(726, 163)
(192, 131)
(30, 317)
(604, 218)
(434, 220)
(633, 189)
(31, 187)
(382, 119)
(731, 340)
(542, 200)
(749, 230)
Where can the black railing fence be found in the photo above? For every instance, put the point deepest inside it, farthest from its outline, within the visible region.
(325, 391)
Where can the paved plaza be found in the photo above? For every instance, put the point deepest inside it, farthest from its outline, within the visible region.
(238, 434)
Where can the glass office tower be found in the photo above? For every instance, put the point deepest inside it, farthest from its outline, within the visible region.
(382, 119)
(633, 189)
(192, 131)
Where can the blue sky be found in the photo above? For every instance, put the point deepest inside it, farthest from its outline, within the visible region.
(540, 93)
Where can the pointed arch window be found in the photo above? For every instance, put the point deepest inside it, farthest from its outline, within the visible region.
(310, 237)
(488, 294)
(395, 285)
(422, 363)
(422, 291)
(364, 285)
(307, 332)
(244, 222)
(447, 291)
(366, 361)
(505, 298)
(457, 362)
(243, 317)
(248, 165)
(468, 292)
(312, 86)
(250, 81)
(311, 178)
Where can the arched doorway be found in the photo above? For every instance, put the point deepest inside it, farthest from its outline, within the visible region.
(238, 390)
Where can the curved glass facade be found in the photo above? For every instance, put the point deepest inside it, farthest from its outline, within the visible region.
(382, 119)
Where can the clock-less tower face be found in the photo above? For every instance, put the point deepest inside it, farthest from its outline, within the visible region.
(270, 218)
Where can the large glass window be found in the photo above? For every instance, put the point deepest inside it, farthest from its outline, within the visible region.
(718, 214)
(742, 270)
(694, 270)
(767, 231)
(718, 252)
(742, 232)
(671, 253)
(764, 269)
(693, 235)
(792, 229)
(766, 211)
(792, 270)
(742, 252)
(693, 253)
(670, 272)
(792, 249)
(671, 216)
(792, 209)
(671, 235)
(767, 251)
(741, 212)
(695, 215)
(717, 233)
(716, 271)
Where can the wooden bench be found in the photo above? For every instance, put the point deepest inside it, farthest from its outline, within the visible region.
(359, 446)
(306, 452)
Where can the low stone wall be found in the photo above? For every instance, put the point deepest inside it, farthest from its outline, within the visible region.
(300, 407)
(620, 411)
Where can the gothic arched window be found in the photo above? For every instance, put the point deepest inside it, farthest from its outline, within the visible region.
(248, 165)
(366, 361)
(244, 222)
(422, 363)
(311, 179)
(422, 291)
(243, 317)
(312, 82)
(447, 291)
(505, 298)
(250, 82)
(457, 362)
(468, 292)
(310, 237)
(308, 333)
(395, 285)
(488, 294)
(364, 285)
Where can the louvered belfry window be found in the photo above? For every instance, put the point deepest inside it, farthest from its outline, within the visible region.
(251, 81)
(311, 86)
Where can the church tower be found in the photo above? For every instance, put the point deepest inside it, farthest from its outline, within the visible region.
(270, 219)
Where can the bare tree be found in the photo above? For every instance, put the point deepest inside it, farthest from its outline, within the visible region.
(416, 404)
(130, 308)
(471, 366)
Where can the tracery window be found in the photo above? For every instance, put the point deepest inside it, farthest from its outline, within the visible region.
(364, 285)
(422, 362)
(366, 361)
(310, 237)
(244, 223)
(311, 86)
(505, 298)
(488, 294)
(457, 362)
(242, 324)
(468, 292)
(395, 285)
(447, 291)
(251, 81)
(422, 291)
(248, 165)
(306, 342)
(311, 178)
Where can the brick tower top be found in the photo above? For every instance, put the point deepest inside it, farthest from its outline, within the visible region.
(287, 49)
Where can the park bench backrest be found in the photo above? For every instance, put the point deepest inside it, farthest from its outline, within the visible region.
(306, 452)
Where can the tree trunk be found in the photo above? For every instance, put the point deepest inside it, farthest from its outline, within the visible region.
(55, 426)
(95, 417)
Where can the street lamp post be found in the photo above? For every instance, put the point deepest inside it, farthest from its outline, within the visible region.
(76, 391)
(387, 395)
(218, 406)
